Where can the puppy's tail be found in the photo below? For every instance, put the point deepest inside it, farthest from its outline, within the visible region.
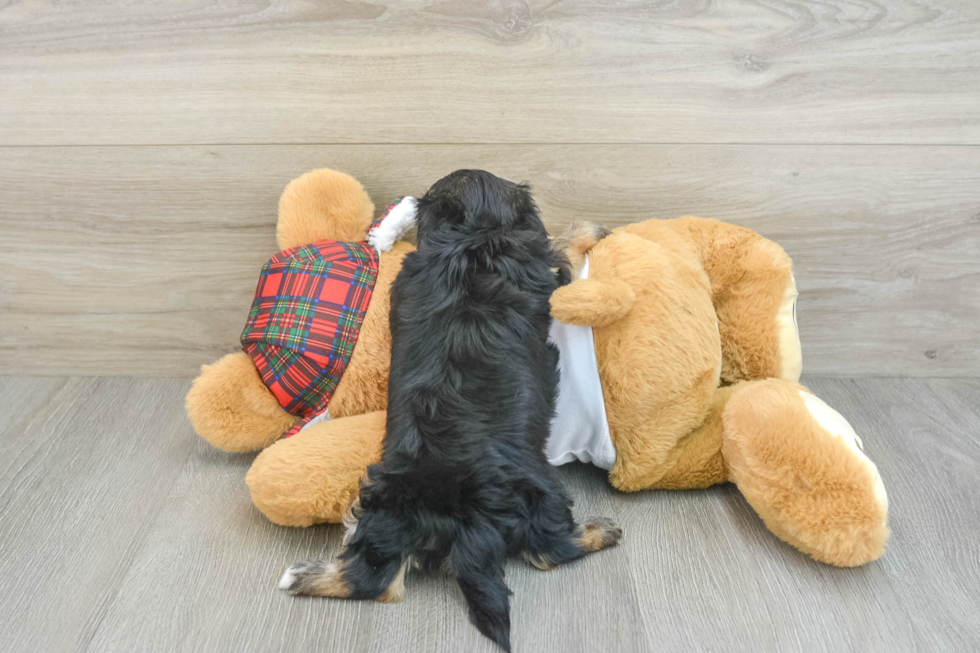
(478, 562)
(489, 601)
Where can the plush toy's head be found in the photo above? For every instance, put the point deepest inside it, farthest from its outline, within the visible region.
(323, 205)
(317, 333)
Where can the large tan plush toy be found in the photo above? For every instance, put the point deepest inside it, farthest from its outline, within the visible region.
(680, 360)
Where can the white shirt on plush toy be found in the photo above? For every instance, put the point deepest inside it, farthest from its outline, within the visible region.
(580, 428)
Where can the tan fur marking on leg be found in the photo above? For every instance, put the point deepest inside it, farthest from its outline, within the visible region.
(331, 584)
(396, 591)
(599, 534)
(541, 562)
(316, 578)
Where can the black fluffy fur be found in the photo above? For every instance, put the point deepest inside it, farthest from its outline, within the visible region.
(464, 479)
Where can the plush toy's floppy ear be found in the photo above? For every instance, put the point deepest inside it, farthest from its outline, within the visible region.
(590, 302)
(398, 219)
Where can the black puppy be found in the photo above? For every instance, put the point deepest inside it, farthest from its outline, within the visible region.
(464, 481)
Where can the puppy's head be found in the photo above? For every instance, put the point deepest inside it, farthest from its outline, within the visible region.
(476, 200)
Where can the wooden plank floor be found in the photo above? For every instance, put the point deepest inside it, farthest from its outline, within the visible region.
(121, 530)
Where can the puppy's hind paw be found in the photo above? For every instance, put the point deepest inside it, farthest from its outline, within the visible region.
(294, 576)
(600, 533)
(287, 580)
(314, 578)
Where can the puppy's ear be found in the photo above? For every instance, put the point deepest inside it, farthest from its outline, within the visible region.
(435, 209)
(443, 205)
(521, 202)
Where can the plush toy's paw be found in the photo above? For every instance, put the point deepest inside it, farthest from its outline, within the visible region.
(801, 466)
(314, 476)
(590, 302)
(323, 205)
(230, 406)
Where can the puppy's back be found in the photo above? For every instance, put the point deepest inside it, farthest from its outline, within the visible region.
(470, 320)
(463, 478)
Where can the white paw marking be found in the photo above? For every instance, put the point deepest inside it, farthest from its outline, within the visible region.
(287, 579)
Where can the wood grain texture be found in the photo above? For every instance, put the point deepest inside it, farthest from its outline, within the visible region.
(452, 71)
(121, 530)
(722, 582)
(212, 547)
(924, 439)
(143, 260)
(21, 397)
(82, 476)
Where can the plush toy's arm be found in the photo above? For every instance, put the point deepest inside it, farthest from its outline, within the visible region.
(231, 407)
(592, 302)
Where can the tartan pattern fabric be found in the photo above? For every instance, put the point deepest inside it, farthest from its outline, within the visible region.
(305, 319)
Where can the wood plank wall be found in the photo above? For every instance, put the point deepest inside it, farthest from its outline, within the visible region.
(143, 147)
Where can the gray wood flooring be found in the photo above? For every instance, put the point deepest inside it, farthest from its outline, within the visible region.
(121, 530)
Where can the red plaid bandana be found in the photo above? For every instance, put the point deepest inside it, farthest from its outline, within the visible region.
(305, 319)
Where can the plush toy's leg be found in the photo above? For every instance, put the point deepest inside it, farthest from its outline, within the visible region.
(230, 406)
(314, 476)
(754, 294)
(800, 465)
(695, 461)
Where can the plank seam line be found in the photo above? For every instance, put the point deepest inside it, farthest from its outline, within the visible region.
(490, 144)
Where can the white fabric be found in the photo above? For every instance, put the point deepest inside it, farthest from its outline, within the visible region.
(400, 219)
(319, 419)
(580, 428)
